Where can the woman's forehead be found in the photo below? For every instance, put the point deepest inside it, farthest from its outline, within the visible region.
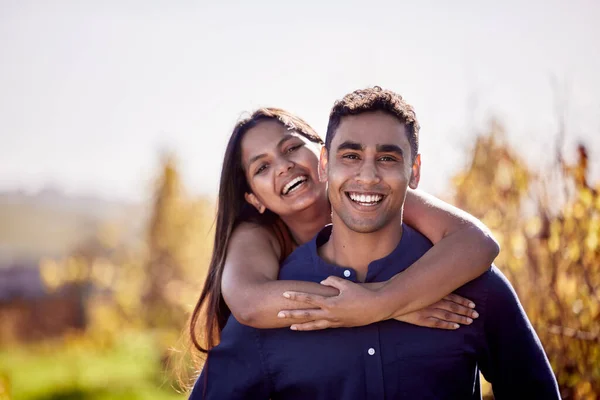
(263, 133)
(264, 137)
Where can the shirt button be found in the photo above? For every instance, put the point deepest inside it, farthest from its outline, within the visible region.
(347, 273)
(371, 351)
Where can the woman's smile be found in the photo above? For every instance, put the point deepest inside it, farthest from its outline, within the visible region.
(294, 184)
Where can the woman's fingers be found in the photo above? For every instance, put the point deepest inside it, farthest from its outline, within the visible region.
(449, 316)
(313, 325)
(455, 308)
(336, 282)
(312, 314)
(460, 300)
(313, 299)
(437, 323)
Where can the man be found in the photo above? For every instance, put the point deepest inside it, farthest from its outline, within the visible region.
(370, 159)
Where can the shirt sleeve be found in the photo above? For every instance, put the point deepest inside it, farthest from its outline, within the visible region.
(235, 368)
(514, 362)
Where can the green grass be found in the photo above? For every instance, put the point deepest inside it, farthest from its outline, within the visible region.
(69, 371)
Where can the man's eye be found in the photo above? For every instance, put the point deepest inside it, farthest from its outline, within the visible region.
(350, 156)
(387, 158)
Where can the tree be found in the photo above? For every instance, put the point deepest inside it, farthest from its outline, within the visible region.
(550, 250)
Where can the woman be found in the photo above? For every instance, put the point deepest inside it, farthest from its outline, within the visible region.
(271, 201)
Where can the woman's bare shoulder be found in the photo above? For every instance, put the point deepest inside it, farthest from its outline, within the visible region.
(252, 228)
(253, 234)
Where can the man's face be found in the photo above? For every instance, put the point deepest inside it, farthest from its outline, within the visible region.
(368, 169)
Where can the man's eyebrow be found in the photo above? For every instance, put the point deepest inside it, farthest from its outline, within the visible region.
(259, 156)
(348, 145)
(389, 148)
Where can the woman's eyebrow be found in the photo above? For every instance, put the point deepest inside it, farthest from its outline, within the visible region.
(285, 139)
(261, 155)
(255, 158)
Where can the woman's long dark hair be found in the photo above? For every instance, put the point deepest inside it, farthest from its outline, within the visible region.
(232, 209)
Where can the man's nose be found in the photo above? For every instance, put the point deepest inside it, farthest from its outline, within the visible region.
(368, 173)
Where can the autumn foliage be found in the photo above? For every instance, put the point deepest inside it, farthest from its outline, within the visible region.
(548, 225)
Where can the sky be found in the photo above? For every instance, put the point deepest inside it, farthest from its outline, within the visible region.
(91, 92)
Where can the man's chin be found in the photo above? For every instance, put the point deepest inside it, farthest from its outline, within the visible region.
(363, 226)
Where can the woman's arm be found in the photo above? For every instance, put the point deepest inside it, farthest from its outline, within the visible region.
(249, 284)
(251, 290)
(463, 249)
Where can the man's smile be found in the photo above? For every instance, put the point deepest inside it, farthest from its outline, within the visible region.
(365, 199)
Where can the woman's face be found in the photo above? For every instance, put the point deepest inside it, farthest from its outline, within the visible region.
(281, 168)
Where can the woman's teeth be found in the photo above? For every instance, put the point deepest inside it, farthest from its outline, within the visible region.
(294, 184)
(365, 199)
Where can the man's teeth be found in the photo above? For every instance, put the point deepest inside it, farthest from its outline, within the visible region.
(290, 186)
(366, 199)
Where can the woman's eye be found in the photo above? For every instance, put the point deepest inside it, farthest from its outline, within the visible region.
(293, 148)
(260, 169)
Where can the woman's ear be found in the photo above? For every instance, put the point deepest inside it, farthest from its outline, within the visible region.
(253, 200)
(323, 165)
(415, 173)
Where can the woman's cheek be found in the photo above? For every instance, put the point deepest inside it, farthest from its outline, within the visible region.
(261, 187)
(310, 160)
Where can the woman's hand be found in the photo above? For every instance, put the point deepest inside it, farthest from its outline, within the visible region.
(445, 314)
(357, 305)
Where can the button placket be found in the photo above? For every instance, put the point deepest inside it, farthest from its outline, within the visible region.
(373, 362)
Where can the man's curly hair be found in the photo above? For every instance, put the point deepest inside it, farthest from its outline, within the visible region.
(375, 99)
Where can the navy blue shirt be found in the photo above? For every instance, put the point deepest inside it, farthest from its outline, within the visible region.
(385, 360)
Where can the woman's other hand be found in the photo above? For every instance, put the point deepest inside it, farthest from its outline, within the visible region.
(448, 313)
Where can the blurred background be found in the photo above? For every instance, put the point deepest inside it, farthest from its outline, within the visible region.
(113, 122)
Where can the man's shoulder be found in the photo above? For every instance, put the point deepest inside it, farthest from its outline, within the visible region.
(301, 254)
(296, 262)
(491, 289)
(492, 280)
(412, 246)
(498, 285)
(304, 255)
(415, 238)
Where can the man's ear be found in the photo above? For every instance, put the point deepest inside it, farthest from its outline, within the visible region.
(323, 165)
(415, 173)
(253, 200)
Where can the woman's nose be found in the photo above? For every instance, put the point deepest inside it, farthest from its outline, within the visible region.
(284, 165)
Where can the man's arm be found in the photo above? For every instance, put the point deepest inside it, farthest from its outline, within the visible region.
(514, 361)
(235, 368)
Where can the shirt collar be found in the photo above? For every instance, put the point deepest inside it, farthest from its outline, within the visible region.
(396, 257)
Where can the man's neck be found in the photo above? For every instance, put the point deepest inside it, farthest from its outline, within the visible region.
(307, 223)
(347, 248)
